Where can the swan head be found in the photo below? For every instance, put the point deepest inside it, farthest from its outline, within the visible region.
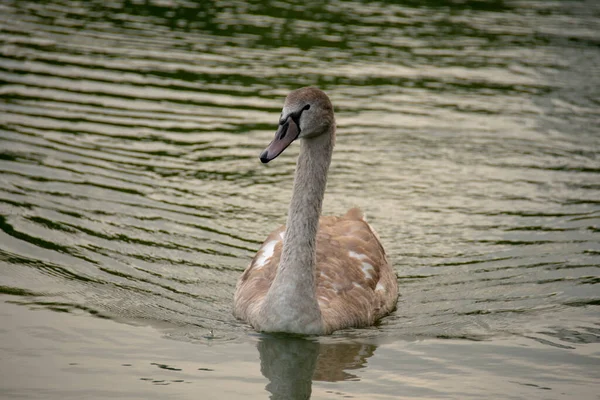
(307, 113)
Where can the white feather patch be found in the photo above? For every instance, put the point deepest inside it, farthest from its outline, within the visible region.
(366, 267)
(354, 254)
(265, 254)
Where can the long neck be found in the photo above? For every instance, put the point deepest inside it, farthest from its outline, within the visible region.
(292, 296)
(299, 247)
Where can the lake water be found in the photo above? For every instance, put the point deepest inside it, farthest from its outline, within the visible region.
(132, 197)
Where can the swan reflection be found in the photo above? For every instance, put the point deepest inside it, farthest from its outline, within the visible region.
(292, 363)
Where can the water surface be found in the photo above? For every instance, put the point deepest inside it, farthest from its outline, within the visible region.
(132, 197)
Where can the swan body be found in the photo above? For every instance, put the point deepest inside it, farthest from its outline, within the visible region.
(316, 274)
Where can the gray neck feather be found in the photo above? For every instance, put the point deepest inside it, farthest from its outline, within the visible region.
(294, 287)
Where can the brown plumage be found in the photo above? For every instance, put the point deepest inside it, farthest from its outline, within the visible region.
(314, 275)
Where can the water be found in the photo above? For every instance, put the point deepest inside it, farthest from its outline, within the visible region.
(132, 197)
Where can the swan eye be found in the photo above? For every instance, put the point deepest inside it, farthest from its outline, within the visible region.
(296, 116)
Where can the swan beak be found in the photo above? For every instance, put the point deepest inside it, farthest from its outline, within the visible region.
(285, 135)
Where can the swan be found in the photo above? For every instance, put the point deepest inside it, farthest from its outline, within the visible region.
(314, 275)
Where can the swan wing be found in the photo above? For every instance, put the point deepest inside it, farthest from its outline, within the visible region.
(253, 285)
(356, 284)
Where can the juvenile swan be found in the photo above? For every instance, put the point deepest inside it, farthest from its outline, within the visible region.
(314, 275)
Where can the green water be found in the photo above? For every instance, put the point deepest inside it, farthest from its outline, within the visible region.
(132, 197)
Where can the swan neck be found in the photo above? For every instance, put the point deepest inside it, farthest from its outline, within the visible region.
(299, 248)
(291, 303)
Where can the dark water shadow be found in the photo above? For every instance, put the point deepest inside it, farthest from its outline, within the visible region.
(292, 363)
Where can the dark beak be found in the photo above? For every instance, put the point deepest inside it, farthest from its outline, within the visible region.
(285, 135)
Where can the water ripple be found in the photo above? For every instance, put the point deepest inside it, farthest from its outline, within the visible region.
(131, 187)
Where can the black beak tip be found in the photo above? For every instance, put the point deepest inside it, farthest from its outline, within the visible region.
(264, 157)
